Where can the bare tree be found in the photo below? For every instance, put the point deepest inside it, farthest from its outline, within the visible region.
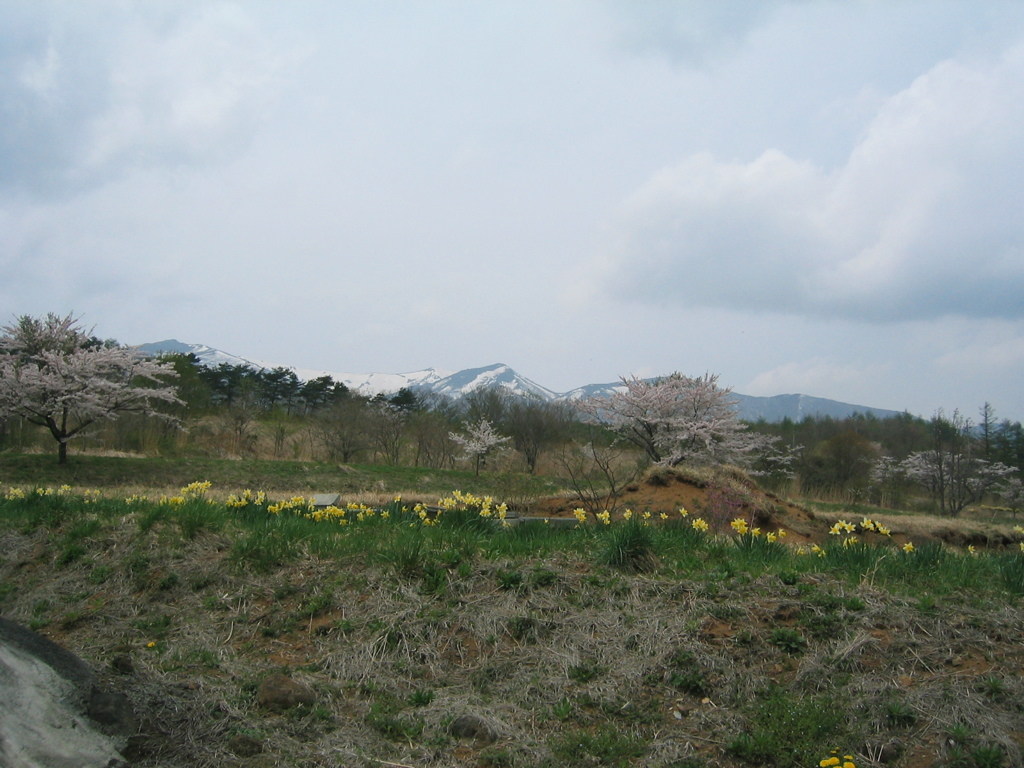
(599, 474)
(535, 425)
(55, 374)
(432, 445)
(678, 418)
(387, 428)
(343, 429)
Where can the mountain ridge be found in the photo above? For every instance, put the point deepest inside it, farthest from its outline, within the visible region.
(457, 384)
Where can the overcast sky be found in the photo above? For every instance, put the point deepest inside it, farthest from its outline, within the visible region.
(808, 196)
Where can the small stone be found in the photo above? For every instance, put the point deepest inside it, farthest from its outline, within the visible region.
(279, 692)
(245, 746)
(472, 727)
(122, 665)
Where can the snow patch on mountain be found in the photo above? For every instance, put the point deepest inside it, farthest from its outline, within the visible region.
(458, 384)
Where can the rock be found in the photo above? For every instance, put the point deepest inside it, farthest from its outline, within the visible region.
(53, 712)
(245, 746)
(472, 727)
(279, 692)
(123, 665)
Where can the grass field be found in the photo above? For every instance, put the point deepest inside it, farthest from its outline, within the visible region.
(461, 642)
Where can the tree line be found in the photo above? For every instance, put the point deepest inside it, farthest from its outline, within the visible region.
(56, 376)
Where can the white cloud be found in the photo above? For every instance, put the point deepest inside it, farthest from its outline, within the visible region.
(921, 221)
(816, 376)
(88, 96)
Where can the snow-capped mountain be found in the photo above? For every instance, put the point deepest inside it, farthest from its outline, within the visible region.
(368, 384)
(458, 384)
(499, 375)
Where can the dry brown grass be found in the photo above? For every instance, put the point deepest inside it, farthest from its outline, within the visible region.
(587, 650)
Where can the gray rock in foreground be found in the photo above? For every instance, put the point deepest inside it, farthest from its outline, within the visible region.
(52, 713)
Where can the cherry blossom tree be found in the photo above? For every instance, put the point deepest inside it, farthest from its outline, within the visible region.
(952, 471)
(678, 418)
(478, 441)
(56, 374)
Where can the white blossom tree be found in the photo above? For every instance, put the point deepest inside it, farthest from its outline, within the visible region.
(56, 374)
(678, 418)
(951, 471)
(479, 440)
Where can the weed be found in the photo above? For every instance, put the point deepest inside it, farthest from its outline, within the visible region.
(607, 747)
(686, 675)
(994, 688)
(70, 554)
(542, 577)
(585, 672)
(987, 756)
(788, 639)
(168, 582)
(396, 727)
(562, 709)
(421, 697)
(317, 604)
(960, 734)
(509, 580)
(789, 578)
(900, 715)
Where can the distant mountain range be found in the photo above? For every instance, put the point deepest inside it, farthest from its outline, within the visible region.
(460, 383)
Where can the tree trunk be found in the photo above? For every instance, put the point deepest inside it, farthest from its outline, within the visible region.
(62, 452)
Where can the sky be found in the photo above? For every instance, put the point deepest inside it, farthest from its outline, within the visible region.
(814, 196)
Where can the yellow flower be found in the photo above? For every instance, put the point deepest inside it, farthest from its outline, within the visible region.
(971, 550)
(867, 524)
(664, 515)
(908, 547)
(683, 512)
(627, 515)
(580, 514)
(771, 537)
(605, 517)
(699, 524)
(739, 525)
(151, 644)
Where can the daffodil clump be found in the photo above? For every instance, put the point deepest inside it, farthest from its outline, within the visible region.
(748, 533)
(848, 531)
(19, 494)
(192, 492)
(247, 499)
(836, 762)
(296, 504)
